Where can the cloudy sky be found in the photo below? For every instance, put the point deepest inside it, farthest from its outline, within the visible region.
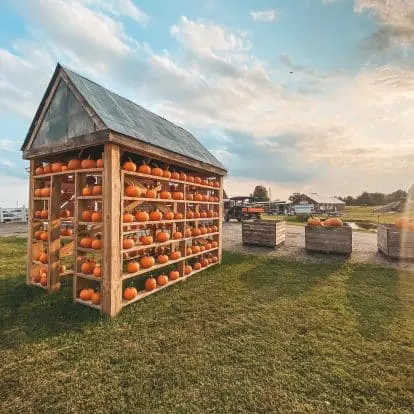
(342, 122)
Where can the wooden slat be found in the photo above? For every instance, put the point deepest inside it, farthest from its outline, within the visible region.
(111, 263)
(54, 235)
(30, 224)
(220, 224)
(264, 233)
(337, 240)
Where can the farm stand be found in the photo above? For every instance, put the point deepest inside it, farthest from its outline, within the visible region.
(126, 192)
(395, 243)
(335, 240)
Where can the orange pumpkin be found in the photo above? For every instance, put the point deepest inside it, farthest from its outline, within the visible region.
(88, 163)
(150, 284)
(188, 251)
(190, 197)
(174, 275)
(44, 214)
(44, 236)
(132, 267)
(197, 266)
(204, 182)
(155, 215)
(97, 270)
(203, 230)
(314, 221)
(97, 244)
(130, 293)
(214, 244)
(39, 171)
(65, 213)
(132, 191)
(187, 233)
(210, 213)
(158, 172)
(207, 246)
(45, 192)
(162, 280)
(96, 216)
(204, 262)
(56, 167)
(47, 169)
(43, 258)
(162, 258)
(214, 229)
(203, 214)
(86, 242)
(334, 222)
(165, 195)
(96, 298)
(175, 255)
(205, 197)
(87, 267)
(129, 166)
(144, 168)
(127, 243)
(43, 279)
(127, 218)
(189, 214)
(187, 270)
(178, 216)
(196, 232)
(198, 197)
(87, 191)
(141, 216)
(166, 173)
(197, 180)
(177, 195)
(175, 175)
(38, 214)
(96, 190)
(64, 168)
(214, 259)
(162, 236)
(86, 294)
(216, 184)
(74, 164)
(38, 192)
(402, 223)
(151, 193)
(195, 249)
(86, 215)
(147, 240)
(183, 176)
(202, 248)
(169, 215)
(99, 163)
(147, 262)
(37, 234)
(177, 235)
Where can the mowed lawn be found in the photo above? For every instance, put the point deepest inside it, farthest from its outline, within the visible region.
(254, 335)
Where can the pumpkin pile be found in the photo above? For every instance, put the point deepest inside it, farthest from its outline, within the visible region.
(330, 222)
(89, 295)
(73, 164)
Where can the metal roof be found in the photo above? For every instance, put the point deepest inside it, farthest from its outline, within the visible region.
(126, 117)
(322, 199)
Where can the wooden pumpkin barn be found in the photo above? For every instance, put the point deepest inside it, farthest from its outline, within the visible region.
(117, 195)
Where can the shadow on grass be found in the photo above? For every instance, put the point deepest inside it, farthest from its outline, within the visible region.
(373, 294)
(272, 278)
(28, 314)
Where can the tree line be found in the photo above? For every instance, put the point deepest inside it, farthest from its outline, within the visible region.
(374, 199)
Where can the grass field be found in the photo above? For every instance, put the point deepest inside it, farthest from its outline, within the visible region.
(254, 335)
(354, 214)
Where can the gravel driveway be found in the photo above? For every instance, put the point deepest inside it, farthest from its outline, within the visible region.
(364, 247)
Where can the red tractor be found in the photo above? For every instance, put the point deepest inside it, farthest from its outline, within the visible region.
(242, 208)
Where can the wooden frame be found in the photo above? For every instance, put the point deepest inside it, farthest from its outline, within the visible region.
(329, 240)
(395, 243)
(269, 233)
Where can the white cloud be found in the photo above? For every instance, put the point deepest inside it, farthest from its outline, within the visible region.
(264, 15)
(8, 145)
(6, 163)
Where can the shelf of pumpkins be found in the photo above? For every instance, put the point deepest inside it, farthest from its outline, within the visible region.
(152, 189)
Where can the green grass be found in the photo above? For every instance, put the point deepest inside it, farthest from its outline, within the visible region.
(253, 335)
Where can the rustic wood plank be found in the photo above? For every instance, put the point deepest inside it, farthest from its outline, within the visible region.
(220, 223)
(394, 243)
(264, 233)
(54, 234)
(111, 260)
(337, 240)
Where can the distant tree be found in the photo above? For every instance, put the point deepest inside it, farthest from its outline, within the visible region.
(260, 193)
(398, 195)
(349, 200)
(364, 199)
(293, 196)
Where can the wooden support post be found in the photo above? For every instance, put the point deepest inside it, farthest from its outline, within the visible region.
(54, 234)
(30, 223)
(111, 263)
(220, 225)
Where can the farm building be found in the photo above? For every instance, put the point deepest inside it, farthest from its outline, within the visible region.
(319, 202)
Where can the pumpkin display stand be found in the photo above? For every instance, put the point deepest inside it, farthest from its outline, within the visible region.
(268, 233)
(328, 240)
(136, 200)
(395, 243)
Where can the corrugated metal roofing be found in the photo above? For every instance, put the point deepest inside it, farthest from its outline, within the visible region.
(126, 117)
(323, 199)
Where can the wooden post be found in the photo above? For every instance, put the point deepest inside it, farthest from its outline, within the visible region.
(220, 226)
(54, 234)
(111, 259)
(30, 223)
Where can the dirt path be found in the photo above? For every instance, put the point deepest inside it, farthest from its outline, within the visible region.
(13, 229)
(364, 247)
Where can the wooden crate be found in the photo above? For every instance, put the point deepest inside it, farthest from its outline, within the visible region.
(264, 232)
(394, 243)
(334, 240)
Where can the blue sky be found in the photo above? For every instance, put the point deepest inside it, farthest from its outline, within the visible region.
(339, 124)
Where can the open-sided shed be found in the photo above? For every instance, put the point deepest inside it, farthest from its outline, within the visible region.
(129, 193)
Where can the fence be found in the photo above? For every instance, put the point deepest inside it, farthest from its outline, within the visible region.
(13, 214)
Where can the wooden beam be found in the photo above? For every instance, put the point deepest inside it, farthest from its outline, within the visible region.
(76, 143)
(111, 259)
(54, 234)
(30, 223)
(152, 151)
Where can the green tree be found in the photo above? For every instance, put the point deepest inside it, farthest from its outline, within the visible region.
(260, 193)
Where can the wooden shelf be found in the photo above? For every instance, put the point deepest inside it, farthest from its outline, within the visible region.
(92, 197)
(144, 223)
(67, 238)
(89, 277)
(140, 272)
(152, 200)
(41, 198)
(203, 202)
(83, 249)
(91, 223)
(67, 273)
(170, 180)
(37, 262)
(88, 303)
(70, 172)
(143, 294)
